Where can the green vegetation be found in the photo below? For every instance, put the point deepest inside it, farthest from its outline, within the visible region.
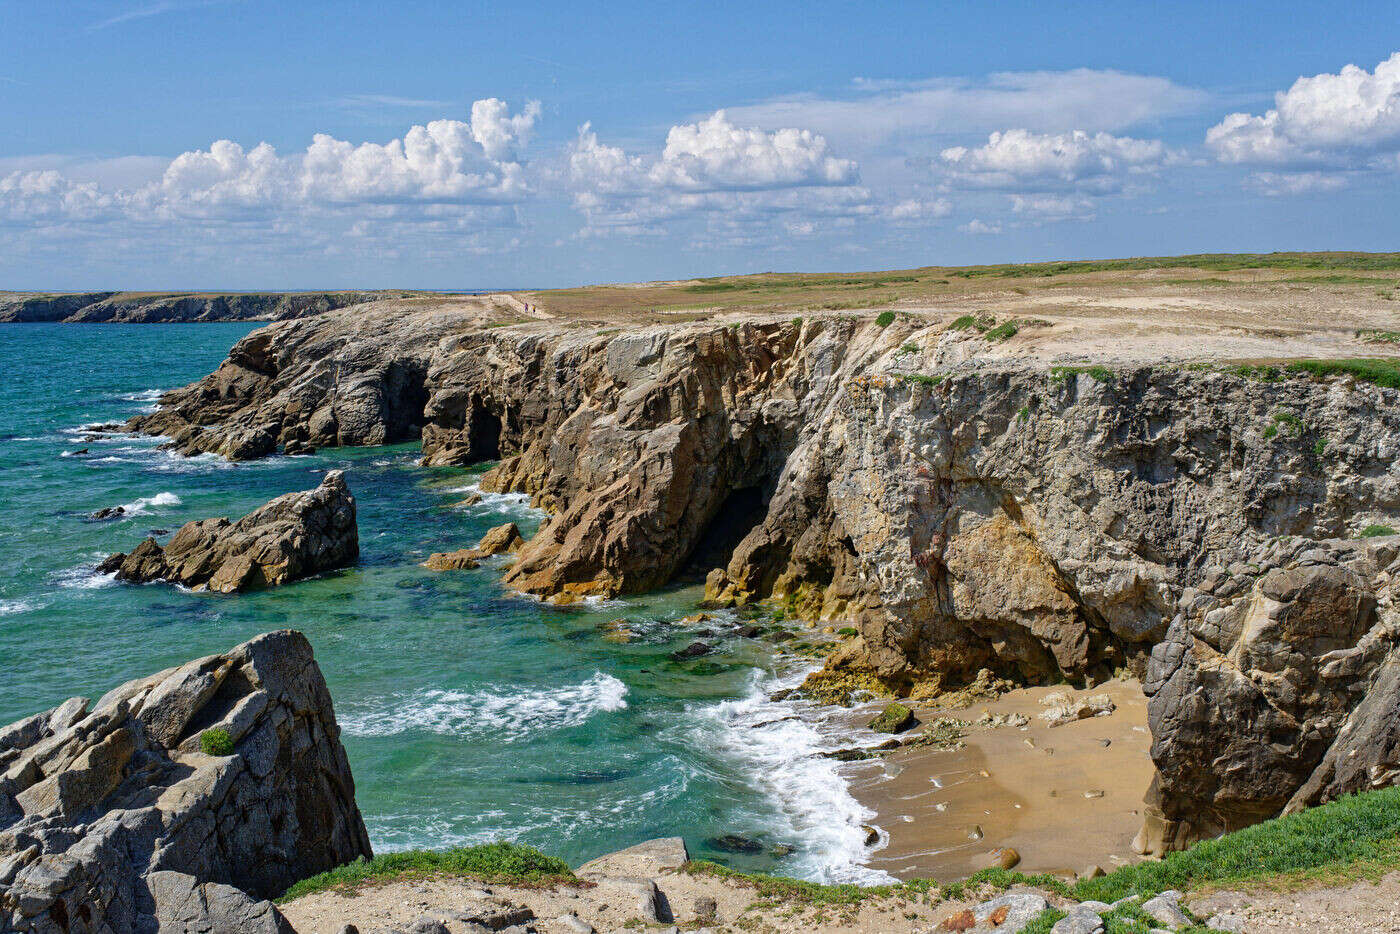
(1286, 419)
(1024, 412)
(1381, 372)
(1375, 531)
(1353, 837)
(1215, 262)
(491, 862)
(1001, 332)
(923, 379)
(1061, 374)
(1264, 374)
(848, 631)
(910, 347)
(1320, 446)
(1375, 336)
(981, 321)
(884, 319)
(216, 742)
(893, 718)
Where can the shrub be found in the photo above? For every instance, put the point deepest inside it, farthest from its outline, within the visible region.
(1062, 373)
(922, 379)
(910, 347)
(885, 319)
(1320, 446)
(1375, 531)
(216, 742)
(847, 631)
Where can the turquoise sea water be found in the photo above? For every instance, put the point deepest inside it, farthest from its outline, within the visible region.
(469, 714)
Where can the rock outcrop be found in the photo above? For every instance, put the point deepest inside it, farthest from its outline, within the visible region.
(1277, 687)
(112, 818)
(164, 307)
(296, 535)
(501, 540)
(963, 509)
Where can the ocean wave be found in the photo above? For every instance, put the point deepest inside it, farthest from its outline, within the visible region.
(508, 715)
(510, 504)
(11, 607)
(146, 503)
(145, 395)
(775, 746)
(83, 577)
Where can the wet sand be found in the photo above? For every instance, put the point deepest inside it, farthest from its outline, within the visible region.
(1035, 788)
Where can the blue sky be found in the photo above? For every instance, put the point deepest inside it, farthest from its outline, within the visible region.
(185, 144)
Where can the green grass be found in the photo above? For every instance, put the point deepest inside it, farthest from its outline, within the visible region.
(1061, 374)
(1356, 834)
(981, 321)
(923, 379)
(910, 347)
(884, 319)
(1375, 531)
(1215, 262)
(1381, 372)
(1002, 332)
(491, 862)
(216, 742)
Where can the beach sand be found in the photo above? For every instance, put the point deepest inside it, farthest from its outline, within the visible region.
(1058, 795)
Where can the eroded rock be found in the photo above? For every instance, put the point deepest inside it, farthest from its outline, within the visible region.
(294, 536)
(112, 819)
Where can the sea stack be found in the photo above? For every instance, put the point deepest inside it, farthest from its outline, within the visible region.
(296, 535)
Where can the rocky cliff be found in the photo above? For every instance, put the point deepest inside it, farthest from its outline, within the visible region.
(180, 801)
(162, 307)
(295, 535)
(965, 504)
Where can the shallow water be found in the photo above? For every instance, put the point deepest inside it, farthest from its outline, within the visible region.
(468, 714)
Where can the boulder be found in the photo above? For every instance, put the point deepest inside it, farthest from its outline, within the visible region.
(112, 819)
(503, 539)
(460, 560)
(294, 536)
(895, 718)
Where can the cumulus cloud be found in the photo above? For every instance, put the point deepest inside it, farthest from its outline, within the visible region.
(917, 210)
(713, 168)
(1023, 160)
(1277, 184)
(446, 162)
(1348, 120)
(1051, 207)
(976, 226)
(874, 112)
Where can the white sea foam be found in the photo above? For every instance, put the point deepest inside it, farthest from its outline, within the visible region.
(145, 395)
(503, 713)
(11, 607)
(509, 504)
(83, 577)
(776, 746)
(146, 503)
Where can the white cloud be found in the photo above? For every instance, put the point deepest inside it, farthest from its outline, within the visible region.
(874, 112)
(1051, 207)
(446, 162)
(916, 210)
(976, 226)
(1345, 120)
(1276, 184)
(1026, 161)
(732, 176)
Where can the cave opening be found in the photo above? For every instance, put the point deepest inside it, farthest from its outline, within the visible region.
(741, 510)
(483, 432)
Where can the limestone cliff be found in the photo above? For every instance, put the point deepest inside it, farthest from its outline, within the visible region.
(123, 816)
(963, 504)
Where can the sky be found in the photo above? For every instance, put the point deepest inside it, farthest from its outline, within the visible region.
(239, 144)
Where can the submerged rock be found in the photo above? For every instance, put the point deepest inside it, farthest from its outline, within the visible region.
(503, 539)
(113, 819)
(294, 536)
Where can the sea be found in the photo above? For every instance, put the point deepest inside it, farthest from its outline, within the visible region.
(469, 714)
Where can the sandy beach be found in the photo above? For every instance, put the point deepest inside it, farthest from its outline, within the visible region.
(1063, 797)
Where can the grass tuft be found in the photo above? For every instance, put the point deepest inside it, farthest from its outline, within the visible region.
(1375, 531)
(1002, 332)
(1381, 372)
(884, 319)
(1062, 374)
(216, 742)
(500, 863)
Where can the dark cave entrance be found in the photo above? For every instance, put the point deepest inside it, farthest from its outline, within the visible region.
(741, 510)
(483, 433)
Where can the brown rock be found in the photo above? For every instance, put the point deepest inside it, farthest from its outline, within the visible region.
(1003, 857)
(461, 560)
(294, 536)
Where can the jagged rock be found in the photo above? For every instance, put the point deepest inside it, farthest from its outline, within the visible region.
(294, 536)
(144, 307)
(107, 512)
(985, 513)
(112, 819)
(1079, 919)
(503, 539)
(1303, 657)
(693, 650)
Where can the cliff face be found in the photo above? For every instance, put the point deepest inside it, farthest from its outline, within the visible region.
(161, 307)
(113, 819)
(964, 509)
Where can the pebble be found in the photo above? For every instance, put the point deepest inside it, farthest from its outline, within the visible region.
(1094, 793)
